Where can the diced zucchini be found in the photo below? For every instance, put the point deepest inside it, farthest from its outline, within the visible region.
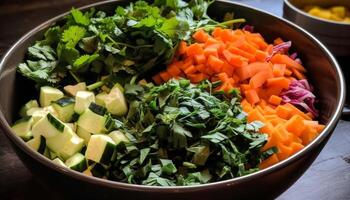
(31, 111)
(82, 101)
(98, 170)
(115, 102)
(49, 94)
(53, 155)
(100, 99)
(84, 134)
(57, 142)
(100, 110)
(49, 126)
(59, 162)
(47, 153)
(38, 113)
(30, 104)
(64, 108)
(73, 126)
(73, 89)
(52, 110)
(120, 87)
(38, 144)
(93, 119)
(118, 137)
(100, 149)
(65, 144)
(22, 128)
(73, 146)
(77, 162)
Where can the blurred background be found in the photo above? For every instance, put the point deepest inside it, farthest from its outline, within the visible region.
(328, 178)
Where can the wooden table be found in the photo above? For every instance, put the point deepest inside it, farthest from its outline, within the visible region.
(327, 178)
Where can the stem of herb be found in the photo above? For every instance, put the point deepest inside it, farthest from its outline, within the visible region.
(223, 24)
(76, 78)
(128, 45)
(133, 80)
(95, 85)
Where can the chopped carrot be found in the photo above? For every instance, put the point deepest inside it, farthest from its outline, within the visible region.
(223, 77)
(186, 63)
(157, 79)
(284, 59)
(259, 79)
(283, 111)
(201, 68)
(252, 96)
(194, 49)
(298, 74)
(252, 69)
(198, 77)
(295, 125)
(182, 47)
(211, 51)
(217, 32)
(284, 151)
(200, 59)
(279, 81)
(278, 41)
(165, 76)
(228, 69)
(296, 147)
(260, 55)
(275, 100)
(278, 70)
(174, 70)
(269, 162)
(190, 70)
(308, 135)
(240, 52)
(215, 63)
(201, 36)
(211, 41)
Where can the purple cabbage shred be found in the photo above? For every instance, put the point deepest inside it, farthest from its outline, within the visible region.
(283, 47)
(300, 94)
(248, 28)
(294, 55)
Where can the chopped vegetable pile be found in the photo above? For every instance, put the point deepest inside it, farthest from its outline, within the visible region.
(161, 94)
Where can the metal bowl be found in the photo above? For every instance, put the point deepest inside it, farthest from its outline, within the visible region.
(324, 74)
(335, 35)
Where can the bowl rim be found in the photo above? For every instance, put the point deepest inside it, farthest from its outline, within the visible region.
(5, 127)
(319, 19)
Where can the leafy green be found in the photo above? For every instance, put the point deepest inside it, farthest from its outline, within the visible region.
(185, 135)
(80, 18)
(73, 35)
(137, 39)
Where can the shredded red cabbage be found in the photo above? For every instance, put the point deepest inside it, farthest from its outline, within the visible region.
(283, 47)
(300, 94)
(293, 55)
(248, 28)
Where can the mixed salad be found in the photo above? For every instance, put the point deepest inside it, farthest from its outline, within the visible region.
(161, 94)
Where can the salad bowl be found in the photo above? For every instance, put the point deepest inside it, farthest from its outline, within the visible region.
(323, 72)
